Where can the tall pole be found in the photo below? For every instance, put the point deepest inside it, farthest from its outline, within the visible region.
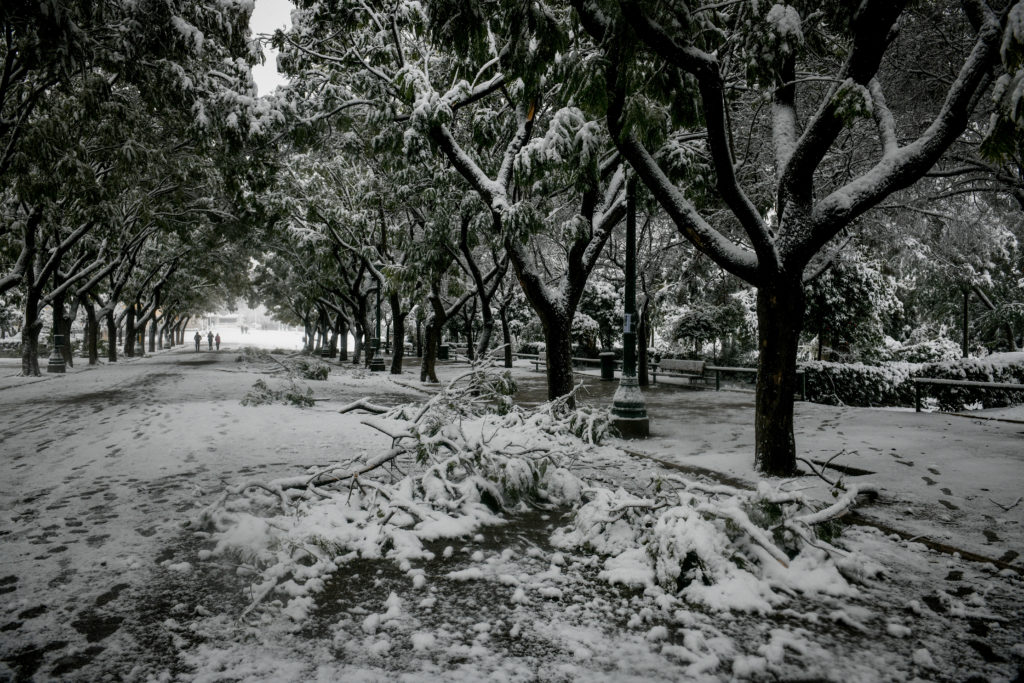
(967, 319)
(629, 411)
(377, 362)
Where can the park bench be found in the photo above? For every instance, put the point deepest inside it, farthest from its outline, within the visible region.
(540, 360)
(690, 370)
(920, 382)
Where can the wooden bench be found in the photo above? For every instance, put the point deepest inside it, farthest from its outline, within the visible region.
(540, 360)
(690, 370)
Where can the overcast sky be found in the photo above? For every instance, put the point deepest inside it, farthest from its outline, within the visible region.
(269, 16)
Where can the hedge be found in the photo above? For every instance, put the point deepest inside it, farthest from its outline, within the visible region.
(891, 384)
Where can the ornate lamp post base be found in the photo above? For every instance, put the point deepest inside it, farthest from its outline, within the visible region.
(56, 361)
(377, 362)
(629, 410)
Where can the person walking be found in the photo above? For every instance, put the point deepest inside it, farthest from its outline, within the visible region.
(198, 339)
(209, 340)
(217, 341)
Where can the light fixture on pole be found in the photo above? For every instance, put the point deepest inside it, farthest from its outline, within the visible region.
(377, 361)
(629, 410)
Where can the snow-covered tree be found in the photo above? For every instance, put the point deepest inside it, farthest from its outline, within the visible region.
(824, 69)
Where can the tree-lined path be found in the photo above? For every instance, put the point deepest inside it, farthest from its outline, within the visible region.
(103, 466)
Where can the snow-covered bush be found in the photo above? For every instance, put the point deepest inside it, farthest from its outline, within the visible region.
(891, 384)
(857, 384)
(929, 351)
(531, 347)
(465, 456)
(717, 546)
(310, 368)
(293, 393)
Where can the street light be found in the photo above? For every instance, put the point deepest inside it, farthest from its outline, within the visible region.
(56, 361)
(377, 362)
(629, 412)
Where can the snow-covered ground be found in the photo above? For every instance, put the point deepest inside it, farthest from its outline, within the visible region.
(101, 580)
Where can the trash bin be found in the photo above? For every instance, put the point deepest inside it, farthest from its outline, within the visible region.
(607, 364)
(442, 352)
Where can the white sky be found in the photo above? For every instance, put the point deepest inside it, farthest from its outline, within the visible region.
(269, 16)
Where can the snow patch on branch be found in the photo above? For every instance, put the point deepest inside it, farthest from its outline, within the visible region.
(785, 22)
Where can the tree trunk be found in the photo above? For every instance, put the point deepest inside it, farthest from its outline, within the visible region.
(342, 338)
(92, 333)
(308, 339)
(780, 310)
(357, 342)
(368, 331)
(62, 323)
(129, 333)
(506, 335)
(419, 338)
(30, 334)
(398, 322)
(558, 352)
(140, 337)
(332, 348)
(152, 335)
(428, 364)
(111, 337)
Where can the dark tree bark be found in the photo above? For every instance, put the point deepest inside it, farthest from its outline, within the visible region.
(428, 362)
(92, 326)
(506, 333)
(398, 322)
(111, 337)
(310, 343)
(140, 336)
(359, 338)
(780, 310)
(342, 338)
(30, 333)
(129, 332)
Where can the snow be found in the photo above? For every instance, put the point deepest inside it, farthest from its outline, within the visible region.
(785, 21)
(96, 492)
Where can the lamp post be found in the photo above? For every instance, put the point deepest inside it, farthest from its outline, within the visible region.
(629, 412)
(377, 362)
(56, 361)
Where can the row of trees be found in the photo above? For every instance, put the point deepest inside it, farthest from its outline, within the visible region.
(503, 132)
(122, 192)
(467, 163)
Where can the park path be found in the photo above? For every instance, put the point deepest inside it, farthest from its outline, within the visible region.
(102, 466)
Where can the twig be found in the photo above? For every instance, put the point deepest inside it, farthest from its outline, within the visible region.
(1007, 508)
(364, 404)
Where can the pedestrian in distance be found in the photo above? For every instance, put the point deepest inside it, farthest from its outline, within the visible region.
(209, 340)
(198, 339)
(217, 341)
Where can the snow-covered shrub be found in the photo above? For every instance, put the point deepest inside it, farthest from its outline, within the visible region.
(891, 384)
(462, 464)
(715, 545)
(930, 351)
(310, 368)
(262, 394)
(857, 384)
(532, 347)
(976, 370)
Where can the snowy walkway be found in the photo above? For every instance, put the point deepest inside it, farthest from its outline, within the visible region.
(103, 465)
